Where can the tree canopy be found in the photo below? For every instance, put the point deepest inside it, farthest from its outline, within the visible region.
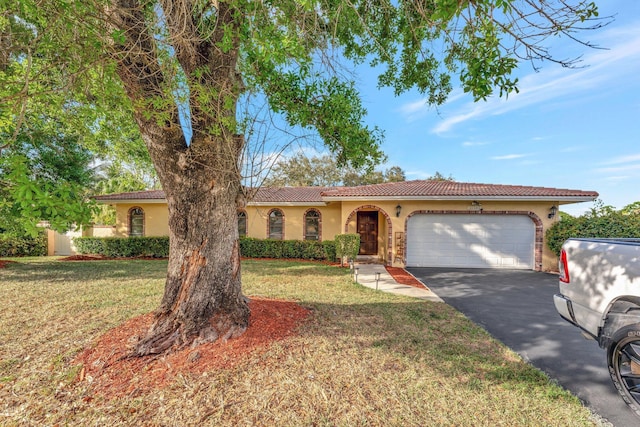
(323, 171)
(178, 69)
(44, 176)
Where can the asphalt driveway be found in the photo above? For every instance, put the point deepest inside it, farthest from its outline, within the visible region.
(516, 307)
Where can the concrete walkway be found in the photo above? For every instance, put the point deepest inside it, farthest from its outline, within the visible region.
(367, 277)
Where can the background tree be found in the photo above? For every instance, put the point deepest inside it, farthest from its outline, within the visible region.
(631, 209)
(395, 174)
(323, 171)
(118, 177)
(196, 59)
(440, 177)
(302, 171)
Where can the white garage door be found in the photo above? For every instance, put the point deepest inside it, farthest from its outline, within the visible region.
(470, 241)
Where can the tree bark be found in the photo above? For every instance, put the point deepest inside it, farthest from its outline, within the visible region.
(202, 299)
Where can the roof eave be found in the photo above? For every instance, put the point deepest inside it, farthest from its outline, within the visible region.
(566, 199)
(131, 201)
(286, 204)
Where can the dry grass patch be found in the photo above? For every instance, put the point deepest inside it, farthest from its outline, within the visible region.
(361, 358)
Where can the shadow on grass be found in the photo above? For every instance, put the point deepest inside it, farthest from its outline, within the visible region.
(431, 335)
(82, 271)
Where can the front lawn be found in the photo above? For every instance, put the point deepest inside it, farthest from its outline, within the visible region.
(361, 358)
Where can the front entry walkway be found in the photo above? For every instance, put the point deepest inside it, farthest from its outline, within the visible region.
(386, 282)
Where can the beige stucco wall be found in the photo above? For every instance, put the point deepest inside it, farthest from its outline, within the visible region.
(336, 215)
(257, 220)
(156, 219)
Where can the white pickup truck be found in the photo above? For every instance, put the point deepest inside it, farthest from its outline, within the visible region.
(600, 293)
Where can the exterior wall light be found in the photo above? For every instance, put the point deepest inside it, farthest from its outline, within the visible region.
(398, 210)
(552, 211)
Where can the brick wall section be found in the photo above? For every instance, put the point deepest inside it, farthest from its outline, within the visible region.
(353, 213)
(538, 239)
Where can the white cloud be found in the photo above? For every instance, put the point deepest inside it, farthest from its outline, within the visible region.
(549, 84)
(617, 178)
(509, 157)
(623, 159)
(414, 110)
(620, 169)
(473, 144)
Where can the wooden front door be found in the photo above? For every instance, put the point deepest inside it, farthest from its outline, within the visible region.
(368, 231)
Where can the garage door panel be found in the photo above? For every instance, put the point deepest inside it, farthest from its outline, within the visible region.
(479, 241)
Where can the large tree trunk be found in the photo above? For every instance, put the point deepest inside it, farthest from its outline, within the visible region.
(202, 300)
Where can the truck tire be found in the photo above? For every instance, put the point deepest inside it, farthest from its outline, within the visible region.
(623, 360)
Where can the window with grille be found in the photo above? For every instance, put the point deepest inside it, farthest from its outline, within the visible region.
(136, 222)
(312, 225)
(276, 224)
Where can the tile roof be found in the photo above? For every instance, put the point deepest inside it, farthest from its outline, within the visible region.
(419, 189)
(290, 194)
(134, 195)
(263, 195)
(452, 189)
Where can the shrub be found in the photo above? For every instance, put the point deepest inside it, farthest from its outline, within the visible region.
(600, 222)
(12, 245)
(120, 247)
(302, 249)
(123, 247)
(347, 245)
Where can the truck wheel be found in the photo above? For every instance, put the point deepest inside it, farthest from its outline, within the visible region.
(623, 359)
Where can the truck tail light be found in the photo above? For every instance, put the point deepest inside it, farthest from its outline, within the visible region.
(564, 269)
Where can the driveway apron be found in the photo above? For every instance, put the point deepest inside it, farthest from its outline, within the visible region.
(516, 307)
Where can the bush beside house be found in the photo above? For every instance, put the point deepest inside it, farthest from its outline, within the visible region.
(601, 222)
(301, 249)
(12, 245)
(117, 247)
(347, 245)
(124, 247)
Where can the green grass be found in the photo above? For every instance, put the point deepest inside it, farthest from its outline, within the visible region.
(364, 357)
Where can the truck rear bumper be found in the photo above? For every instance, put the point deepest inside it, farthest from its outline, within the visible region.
(564, 307)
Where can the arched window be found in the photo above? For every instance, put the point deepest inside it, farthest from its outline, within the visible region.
(242, 223)
(312, 225)
(136, 222)
(276, 224)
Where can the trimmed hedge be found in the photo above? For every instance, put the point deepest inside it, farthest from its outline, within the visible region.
(123, 247)
(347, 245)
(303, 249)
(118, 247)
(11, 245)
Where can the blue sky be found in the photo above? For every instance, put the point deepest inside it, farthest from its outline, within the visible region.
(567, 128)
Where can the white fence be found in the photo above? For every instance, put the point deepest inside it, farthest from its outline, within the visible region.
(62, 243)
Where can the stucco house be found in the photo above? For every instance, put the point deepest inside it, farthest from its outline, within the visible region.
(411, 223)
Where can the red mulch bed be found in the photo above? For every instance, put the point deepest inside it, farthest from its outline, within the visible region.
(114, 375)
(3, 264)
(401, 276)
